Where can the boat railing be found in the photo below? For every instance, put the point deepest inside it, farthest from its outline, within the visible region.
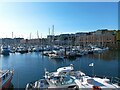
(6, 73)
(115, 80)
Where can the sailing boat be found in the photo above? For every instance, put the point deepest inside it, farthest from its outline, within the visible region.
(55, 54)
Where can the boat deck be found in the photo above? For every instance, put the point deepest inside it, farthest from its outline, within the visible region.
(89, 82)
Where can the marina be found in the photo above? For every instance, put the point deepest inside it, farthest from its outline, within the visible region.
(60, 45)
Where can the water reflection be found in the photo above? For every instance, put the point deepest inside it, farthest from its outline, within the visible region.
(108, 55)
(57, 61)
(5, 56)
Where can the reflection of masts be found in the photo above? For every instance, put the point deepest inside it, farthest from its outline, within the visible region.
(18, 80)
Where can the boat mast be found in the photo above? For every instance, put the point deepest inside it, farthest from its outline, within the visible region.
(12, 35)
(53, 34)
(41, 41)
(30, 35)
(38, 36)
(49, 36)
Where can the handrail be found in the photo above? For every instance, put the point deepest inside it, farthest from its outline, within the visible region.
(7, 71)
(115, 80)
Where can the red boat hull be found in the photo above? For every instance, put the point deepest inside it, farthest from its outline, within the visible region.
(7, 84)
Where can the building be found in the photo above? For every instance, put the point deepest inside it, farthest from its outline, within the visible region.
(106, 38)
(118, 39)
(42, 41)
(10, 41)
(101, 38)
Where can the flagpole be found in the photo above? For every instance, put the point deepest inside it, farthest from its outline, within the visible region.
(92, 67)
(93, 70)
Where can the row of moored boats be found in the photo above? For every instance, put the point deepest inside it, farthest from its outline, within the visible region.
(54, 52)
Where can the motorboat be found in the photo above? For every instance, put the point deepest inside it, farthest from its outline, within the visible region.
(96, 49)
(55, 80)
(22, 50)
(5, 50)
(55, 55)
(66, 77)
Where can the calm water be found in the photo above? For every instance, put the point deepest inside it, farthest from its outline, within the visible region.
(30, 67)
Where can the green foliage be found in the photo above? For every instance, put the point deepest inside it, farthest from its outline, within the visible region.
(118, 36)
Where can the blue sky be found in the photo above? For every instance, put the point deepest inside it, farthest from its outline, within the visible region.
(24, 18)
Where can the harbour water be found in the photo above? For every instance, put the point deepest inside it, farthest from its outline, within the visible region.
(30, 66)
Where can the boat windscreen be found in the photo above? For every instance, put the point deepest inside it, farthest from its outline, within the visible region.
(95, 83)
